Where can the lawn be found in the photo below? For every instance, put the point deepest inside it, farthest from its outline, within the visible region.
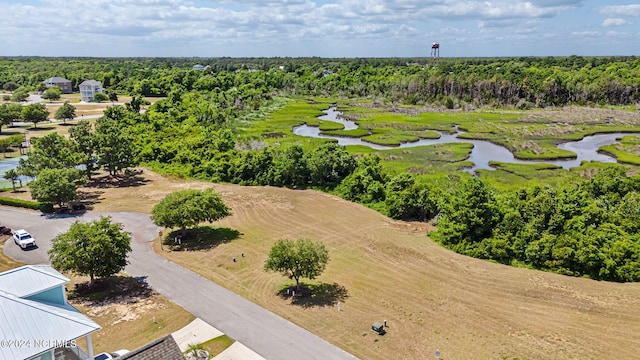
(217, 345)
(431, 298)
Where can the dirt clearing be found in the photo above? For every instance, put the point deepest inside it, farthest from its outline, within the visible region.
(130, 313)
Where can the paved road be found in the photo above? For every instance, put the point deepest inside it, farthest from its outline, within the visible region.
(262, 331)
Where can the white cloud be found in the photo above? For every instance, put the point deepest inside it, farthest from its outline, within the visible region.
(310, 24)
(585, 33)
(617, 34)
(621, 10)
(614, 22)
(517, 24)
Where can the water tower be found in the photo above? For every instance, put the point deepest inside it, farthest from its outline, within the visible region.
(435, 50)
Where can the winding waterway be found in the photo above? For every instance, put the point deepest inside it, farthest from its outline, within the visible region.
(483, 151)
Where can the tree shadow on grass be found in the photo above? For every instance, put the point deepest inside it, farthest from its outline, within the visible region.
(200, 238)
(130, 179)
(322, 294)
(115, 289)
(40, 129)
(12, 131)
(90, 198)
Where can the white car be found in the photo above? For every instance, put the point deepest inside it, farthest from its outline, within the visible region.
(23, 239)
(110, 356)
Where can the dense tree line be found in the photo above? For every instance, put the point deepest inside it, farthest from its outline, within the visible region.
(523, 82)
(584, 229)
(287, 166)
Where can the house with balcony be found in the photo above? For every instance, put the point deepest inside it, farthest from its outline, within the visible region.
(89, 89)
(62, 83)
(36, 321)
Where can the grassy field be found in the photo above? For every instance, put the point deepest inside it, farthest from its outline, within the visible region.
(440, 159)
(288, 113)
(381, 269)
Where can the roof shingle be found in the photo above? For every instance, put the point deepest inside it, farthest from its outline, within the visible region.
(164, 348)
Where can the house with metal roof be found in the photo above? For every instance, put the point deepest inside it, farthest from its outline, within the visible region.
(36, 321)
(62, 83)
(89, 88)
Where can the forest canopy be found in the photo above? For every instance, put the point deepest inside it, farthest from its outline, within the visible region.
(525, 81)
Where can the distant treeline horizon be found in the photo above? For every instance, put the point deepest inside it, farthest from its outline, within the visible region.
(523, 82)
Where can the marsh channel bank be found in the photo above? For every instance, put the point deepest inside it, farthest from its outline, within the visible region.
(483, 151)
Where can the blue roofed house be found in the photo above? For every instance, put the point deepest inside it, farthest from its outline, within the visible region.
(36, 321)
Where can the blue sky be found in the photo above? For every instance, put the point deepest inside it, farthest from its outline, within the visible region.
(325, 28)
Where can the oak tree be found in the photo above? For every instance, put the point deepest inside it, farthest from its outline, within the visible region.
(52, 93)
(56, 186)
(96, 249)
(34, 113)
(302, 258)
(65, 112)
(188, 208)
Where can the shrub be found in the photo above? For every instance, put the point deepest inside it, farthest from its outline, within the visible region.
(44, 207)
(448, 103)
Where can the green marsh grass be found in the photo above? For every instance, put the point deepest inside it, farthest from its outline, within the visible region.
(422, 160)
(627, 151)
(356, 133)
(529, 135)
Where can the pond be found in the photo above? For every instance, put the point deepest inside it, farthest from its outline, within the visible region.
(483, 151)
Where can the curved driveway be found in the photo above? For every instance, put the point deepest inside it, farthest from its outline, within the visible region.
(262, 331)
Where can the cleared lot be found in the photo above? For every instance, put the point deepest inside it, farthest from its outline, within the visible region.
(431, 298)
